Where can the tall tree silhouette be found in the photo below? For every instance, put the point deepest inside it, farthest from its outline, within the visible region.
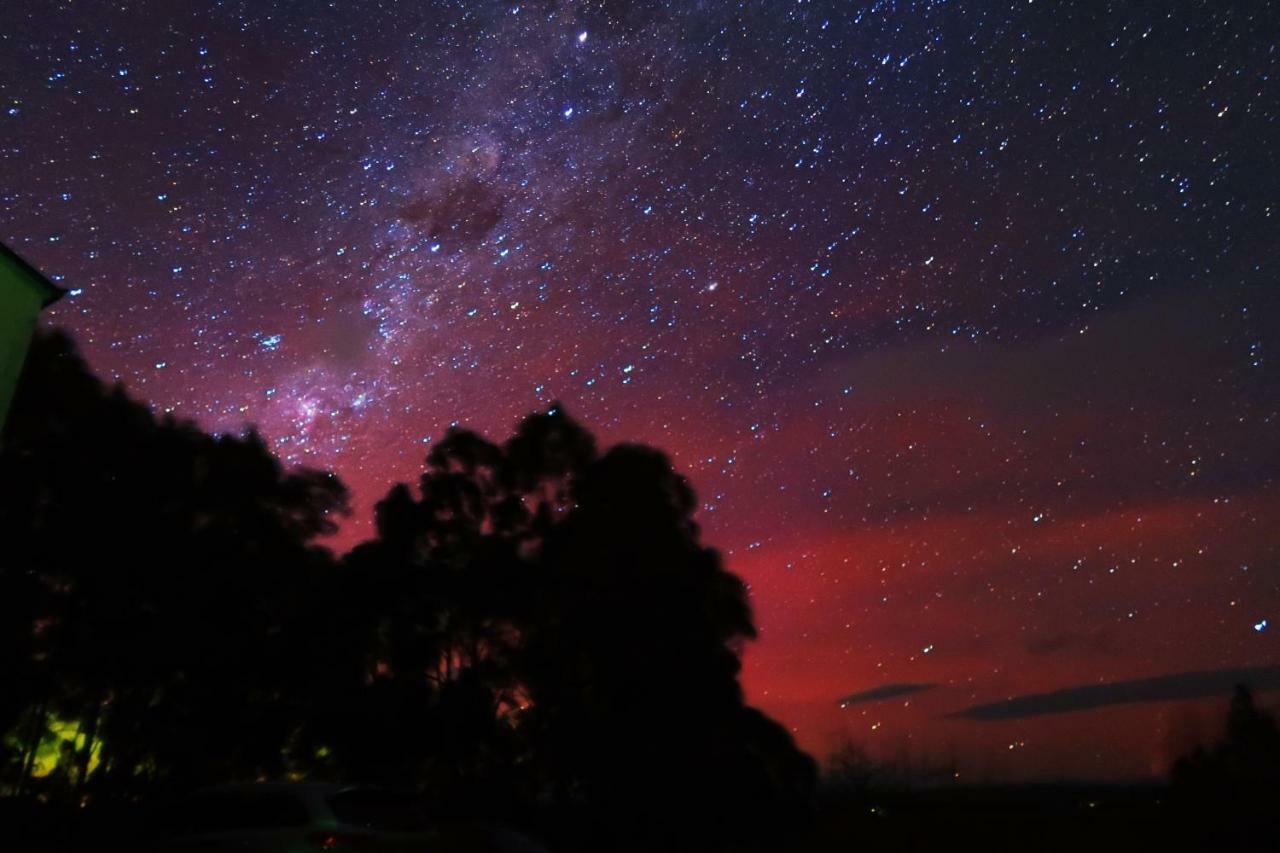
(433, 610)
(633, 667)
(567, 593)
(160, 573)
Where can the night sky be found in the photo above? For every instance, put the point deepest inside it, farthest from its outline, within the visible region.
(961, 317)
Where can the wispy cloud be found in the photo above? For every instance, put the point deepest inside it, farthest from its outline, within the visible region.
(1163, 688)
(886, 691)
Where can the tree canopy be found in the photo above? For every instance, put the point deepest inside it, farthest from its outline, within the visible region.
(536, 626)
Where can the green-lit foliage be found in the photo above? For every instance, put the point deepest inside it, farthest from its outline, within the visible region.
(59, 740)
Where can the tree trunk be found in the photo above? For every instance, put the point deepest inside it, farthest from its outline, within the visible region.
(89, 728)
(35, 734)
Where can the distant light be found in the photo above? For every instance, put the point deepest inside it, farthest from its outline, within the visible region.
(568, 112)
(1260, 626)
(582, 37)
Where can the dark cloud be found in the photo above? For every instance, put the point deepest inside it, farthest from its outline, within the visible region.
(887, 691)
(1164, 688)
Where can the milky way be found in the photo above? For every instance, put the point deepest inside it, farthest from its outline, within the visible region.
(960, 317)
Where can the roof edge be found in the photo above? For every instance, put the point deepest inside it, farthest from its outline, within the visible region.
(52, 293)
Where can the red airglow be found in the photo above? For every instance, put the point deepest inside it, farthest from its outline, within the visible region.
(1001, 616)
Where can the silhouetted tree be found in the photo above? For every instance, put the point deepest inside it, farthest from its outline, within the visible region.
(851, 772)
(632, 668)
(567, 593)
(538, 624)
(159, 576)
(1227, 793)
(1244, 766)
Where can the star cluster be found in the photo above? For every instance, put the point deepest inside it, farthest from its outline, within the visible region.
(960, 316)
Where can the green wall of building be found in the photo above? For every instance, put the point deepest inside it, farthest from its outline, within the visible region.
(23, 293)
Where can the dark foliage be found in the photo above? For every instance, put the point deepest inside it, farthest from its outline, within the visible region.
(154, 580)
(535, 632)
(1239, 776)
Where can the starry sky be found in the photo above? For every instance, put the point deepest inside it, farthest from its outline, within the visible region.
(960, 317)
